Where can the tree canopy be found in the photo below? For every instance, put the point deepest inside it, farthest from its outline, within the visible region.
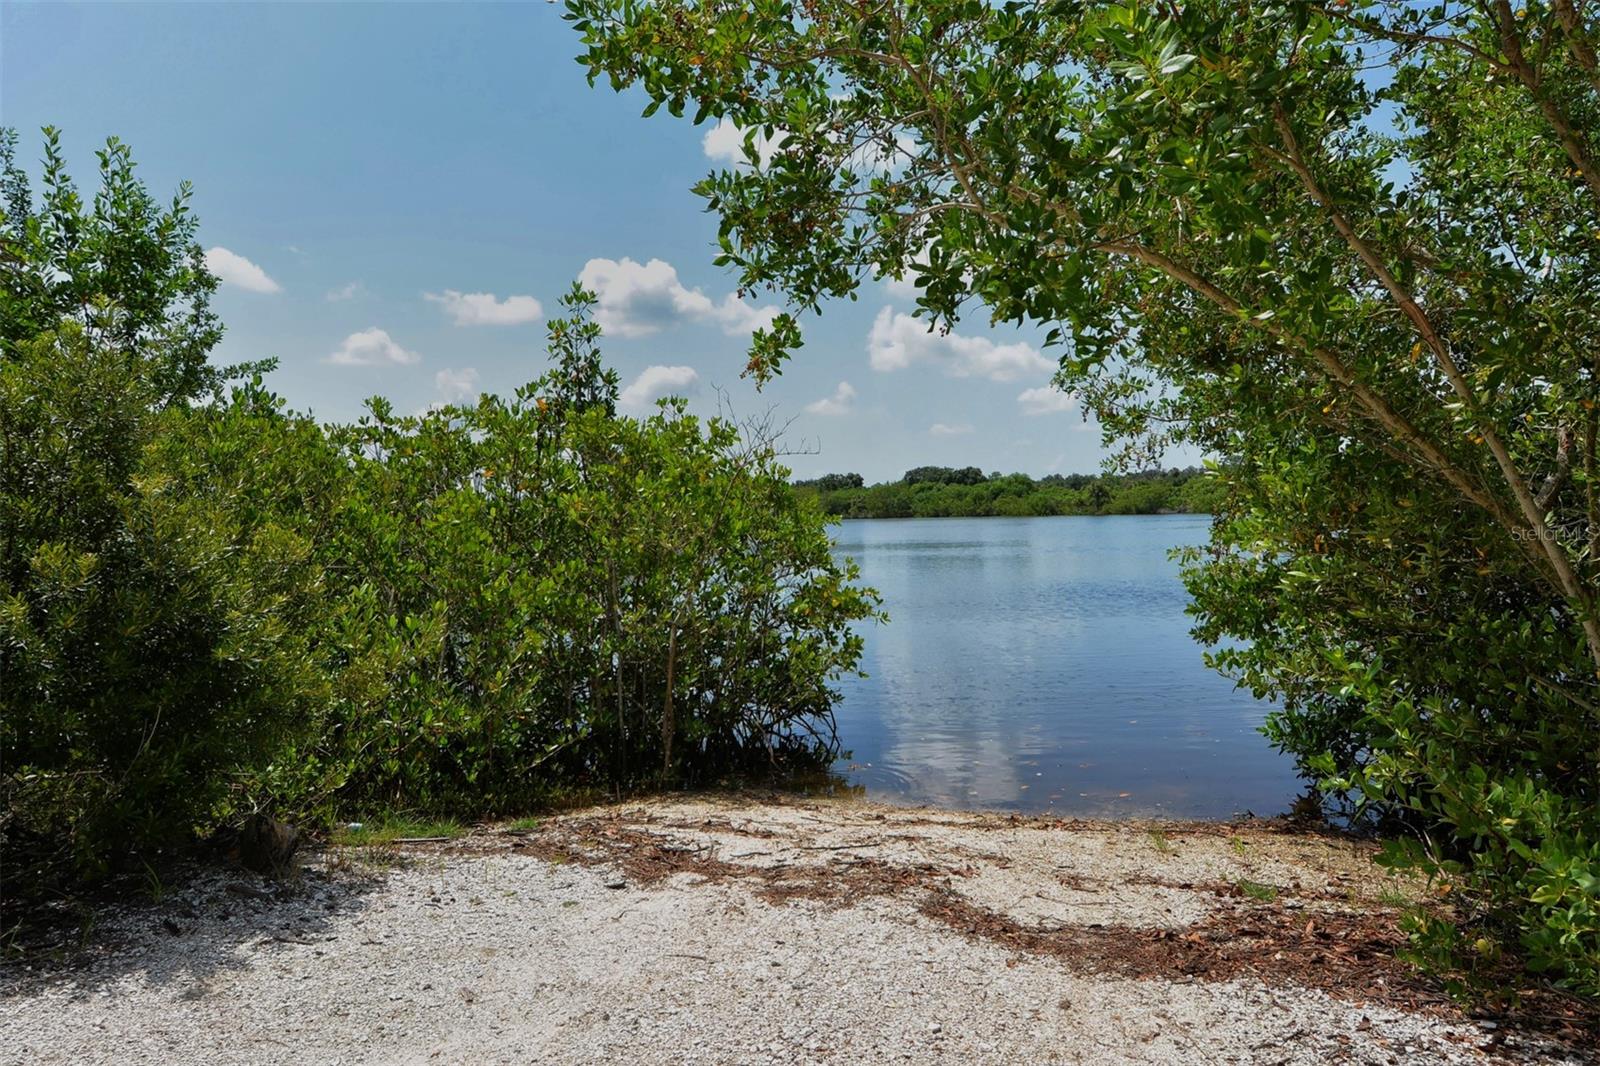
(123, 266)
(1350, 246)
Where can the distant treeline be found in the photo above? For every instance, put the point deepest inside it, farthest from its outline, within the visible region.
(941, 492)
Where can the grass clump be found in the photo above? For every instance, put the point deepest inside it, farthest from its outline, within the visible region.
(392, 829)
(1256, 890)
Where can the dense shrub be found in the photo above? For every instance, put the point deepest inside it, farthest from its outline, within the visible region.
(1419, 677)
(829, 482)
(943, 475)
(154, 639)
(209, 604)
(555, 596)
(122, 265)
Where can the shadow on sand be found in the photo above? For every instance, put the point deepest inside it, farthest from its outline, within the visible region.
(211, 918)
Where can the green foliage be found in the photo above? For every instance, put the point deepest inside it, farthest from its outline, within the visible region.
(213, 607)
(944, 475)
(831, 482)
(542, 595)
(939, 492)
(124, 267)
(1349, 246)
(392, 827)
(154, 639)
(154, 642)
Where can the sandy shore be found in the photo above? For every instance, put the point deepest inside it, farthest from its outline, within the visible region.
(740, 930)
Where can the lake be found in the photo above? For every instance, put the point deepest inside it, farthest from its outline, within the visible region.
(1045, 665)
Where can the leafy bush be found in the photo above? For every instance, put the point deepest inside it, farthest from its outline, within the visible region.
(830, 482)
(153, 645)
(943, 475)
(209, 604)
(1426, 681)
(122, 266)
(153, 638)
(551, 596)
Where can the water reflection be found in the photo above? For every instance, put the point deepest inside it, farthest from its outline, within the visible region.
(1045, 664)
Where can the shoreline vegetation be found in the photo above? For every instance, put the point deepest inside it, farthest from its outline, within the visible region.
(967, 492)
(225, 626)
(221, 619)
(1348, 248)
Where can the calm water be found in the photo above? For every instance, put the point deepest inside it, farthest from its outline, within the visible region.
(1045, 664)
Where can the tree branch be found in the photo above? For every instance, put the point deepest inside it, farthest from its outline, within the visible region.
(1571, 142)
(1568, 582)
(1558, 479)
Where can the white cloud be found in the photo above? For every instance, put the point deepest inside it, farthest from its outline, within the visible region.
(654, 382)
(724, 142)
(905, 287)
(940, 429)
(484, 309)
(1046, 400)
(457, 385)
(372, 347)
(874, 158)
(347, 291)
(738, 318)
(842, 402)
(897, 341)
(234, 269)
(637, 299)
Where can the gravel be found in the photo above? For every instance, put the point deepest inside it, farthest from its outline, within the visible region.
(488, 951)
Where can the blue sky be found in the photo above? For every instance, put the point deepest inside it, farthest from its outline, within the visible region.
(398, 194)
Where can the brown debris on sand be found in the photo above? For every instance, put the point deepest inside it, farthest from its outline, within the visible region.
(721, 929)
(1313, 931)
